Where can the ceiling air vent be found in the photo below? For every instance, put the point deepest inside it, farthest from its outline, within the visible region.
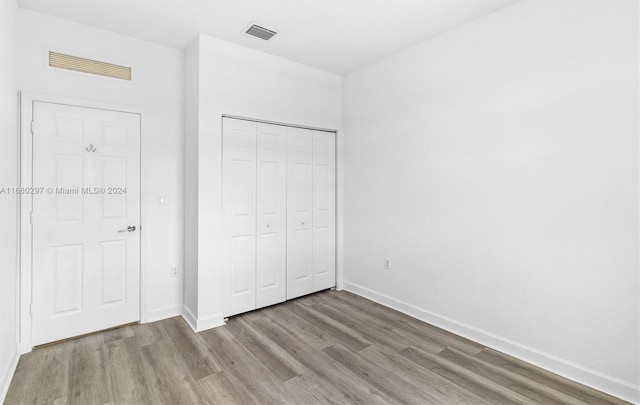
(260, 32)
(77, 64)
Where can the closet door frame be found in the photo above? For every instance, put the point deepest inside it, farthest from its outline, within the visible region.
(228, 308)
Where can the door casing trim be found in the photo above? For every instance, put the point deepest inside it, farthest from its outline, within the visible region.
(25, 247)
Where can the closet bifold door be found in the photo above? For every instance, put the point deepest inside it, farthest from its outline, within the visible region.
(271, 242)
(299, 212)
(324, 210)
(239, 214)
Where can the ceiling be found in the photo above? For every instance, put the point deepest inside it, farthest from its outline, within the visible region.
(335, 35)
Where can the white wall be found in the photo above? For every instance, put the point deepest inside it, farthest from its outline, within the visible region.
(8, 203)
(238, 81)
(497, 166)
(157, 87)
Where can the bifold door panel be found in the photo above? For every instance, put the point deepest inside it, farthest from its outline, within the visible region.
(299, 213)
(86, 260)
(324, 210)
(278, 213)
(239, 213)
(271, 260)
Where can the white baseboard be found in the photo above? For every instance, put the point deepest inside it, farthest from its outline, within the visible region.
(7, 374)
(188, 316)
(199, 325)
(162, 313)
(592, 378)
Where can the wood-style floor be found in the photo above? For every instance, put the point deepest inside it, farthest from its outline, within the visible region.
(331, 347)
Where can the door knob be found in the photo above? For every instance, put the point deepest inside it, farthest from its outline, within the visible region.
(302, 223)
(130, 228)
(268, 225)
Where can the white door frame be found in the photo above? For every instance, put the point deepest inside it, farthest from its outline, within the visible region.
(26, 176)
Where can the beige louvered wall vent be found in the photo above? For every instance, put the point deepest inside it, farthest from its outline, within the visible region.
(75, 63)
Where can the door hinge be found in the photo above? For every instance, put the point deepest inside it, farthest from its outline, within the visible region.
(31, 217)
(32, 124)
(31, 308)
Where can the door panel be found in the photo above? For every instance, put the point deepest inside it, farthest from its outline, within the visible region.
(300, 271)
(113, 260)
(267, 261)
(114, 205)
(239, 214)
(299, 212)
(271, 266)
(324, 210)
(69, 174)
(85, 273)
(67, 279)
(243, 182)
(242, 267)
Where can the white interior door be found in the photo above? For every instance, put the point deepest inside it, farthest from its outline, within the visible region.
(239, 213)
(299, 212)
(324, 210)
(86, 272)
(271, 243)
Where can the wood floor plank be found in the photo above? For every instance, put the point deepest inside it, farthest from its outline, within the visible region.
(405, 323)
(148, 333)
(187, 344)
(332, 347)
(168, 377)
(243, 368)
(368, 330)
(299, 392)
(118, 334)
(313, 335)
(348, 337)
(222, 390)
(355, 389)
(308, 333)
(44, 376)
(277, 360)
(125, 368)
(390, 384)
(326, 389)
(528, 388)
(477, 384)
(422, 379)
(397, 329)
(89, 382)
(578, 391)
(24, 386)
